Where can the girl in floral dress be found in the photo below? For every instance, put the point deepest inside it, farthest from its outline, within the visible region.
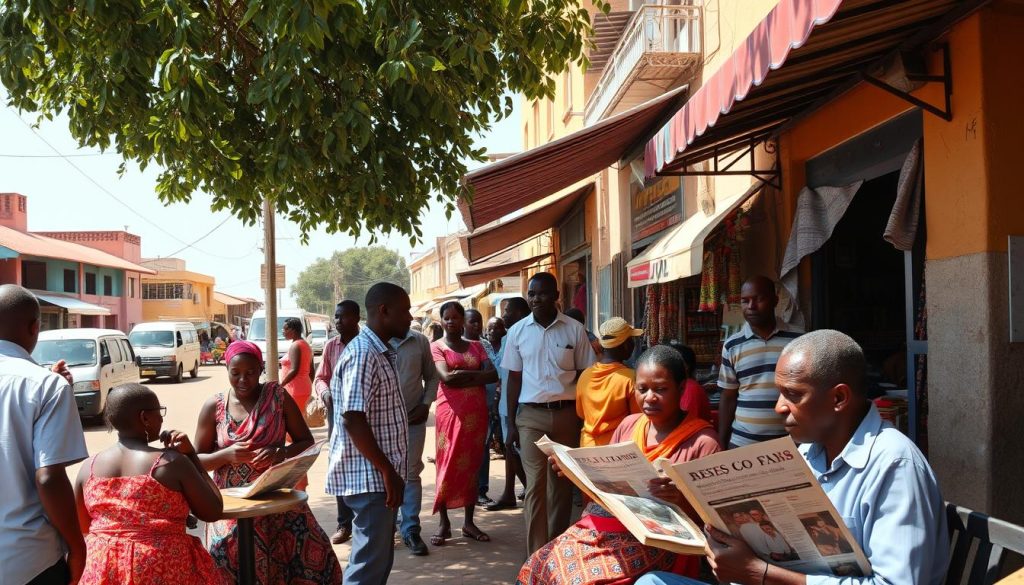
(241, 434)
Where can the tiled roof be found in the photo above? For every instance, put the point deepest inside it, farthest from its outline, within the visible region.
(30, 244)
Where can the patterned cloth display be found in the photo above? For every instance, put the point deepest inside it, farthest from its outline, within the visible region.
(461, 425)
(138, 534)
(291, 547)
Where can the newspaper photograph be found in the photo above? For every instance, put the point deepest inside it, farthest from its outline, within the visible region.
(283, 475)
(616, 477)
(766, 495)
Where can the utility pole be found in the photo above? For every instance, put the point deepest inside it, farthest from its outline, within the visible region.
(270, 260)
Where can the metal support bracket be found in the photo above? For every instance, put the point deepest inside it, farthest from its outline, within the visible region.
(723, 161)
(946, 79)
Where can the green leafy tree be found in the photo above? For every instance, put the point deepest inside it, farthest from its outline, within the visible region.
(349, 114)
(348, 275)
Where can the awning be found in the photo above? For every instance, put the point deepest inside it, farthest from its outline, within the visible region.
(680, 252)
(227, 299)
(826, 46)
(511, 184)
(496, 298)
(465, 291)
(74, 306)
(492, 239)
(488, 271)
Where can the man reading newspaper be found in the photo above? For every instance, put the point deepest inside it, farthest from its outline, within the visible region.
(878, 480)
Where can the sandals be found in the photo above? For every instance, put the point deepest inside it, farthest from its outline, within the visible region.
(439, 538)
(476, 534)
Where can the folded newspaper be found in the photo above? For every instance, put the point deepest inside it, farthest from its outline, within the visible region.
(763, 493)
(283, 475)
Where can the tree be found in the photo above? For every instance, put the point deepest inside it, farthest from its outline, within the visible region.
(348, 275)
(349, 114)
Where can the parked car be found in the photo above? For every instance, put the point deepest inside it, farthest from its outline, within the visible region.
(318, 337)
(166, 348)
(99, 359)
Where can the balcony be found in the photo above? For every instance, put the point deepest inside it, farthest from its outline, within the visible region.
(660, 48)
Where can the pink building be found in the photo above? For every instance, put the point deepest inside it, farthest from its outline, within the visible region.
(82, 279)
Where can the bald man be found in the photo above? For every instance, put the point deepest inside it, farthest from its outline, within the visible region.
(40, 538)
(746, 412)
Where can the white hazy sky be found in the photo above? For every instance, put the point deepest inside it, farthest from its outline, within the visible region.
(62, 198)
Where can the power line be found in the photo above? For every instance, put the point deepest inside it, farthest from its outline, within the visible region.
(103, 189)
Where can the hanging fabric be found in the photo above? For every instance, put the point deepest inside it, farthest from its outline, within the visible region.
(901, 231)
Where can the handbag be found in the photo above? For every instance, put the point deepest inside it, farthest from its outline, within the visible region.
(316, 412)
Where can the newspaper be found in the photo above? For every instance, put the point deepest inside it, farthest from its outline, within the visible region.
(616, 477)
(766, 495)
(283, 475)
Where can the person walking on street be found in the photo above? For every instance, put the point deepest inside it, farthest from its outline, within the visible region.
(461, 422)
(746, 409)
(40, 436)
(474, 331)
(367, 460)
(346, 321)
(605, 392)
(295, 376)
(545, 354)
(418, 378)
(516, 310)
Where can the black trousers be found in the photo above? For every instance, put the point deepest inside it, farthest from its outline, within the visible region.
(58, 574)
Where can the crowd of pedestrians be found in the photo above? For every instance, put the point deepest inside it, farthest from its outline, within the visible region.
(534, 371)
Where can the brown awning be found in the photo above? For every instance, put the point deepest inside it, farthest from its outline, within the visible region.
(513, 183)
(767, 82)
(492, 239)
(488, 271)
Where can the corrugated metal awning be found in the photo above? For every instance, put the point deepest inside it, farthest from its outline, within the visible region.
(511, 184)
(73, 306)
(488, 271)
(804, 53)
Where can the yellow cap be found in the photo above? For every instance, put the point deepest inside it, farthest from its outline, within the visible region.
(615, 331)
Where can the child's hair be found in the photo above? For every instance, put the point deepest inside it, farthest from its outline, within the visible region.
(666, 357)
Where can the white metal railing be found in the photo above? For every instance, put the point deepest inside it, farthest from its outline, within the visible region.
(654, 28)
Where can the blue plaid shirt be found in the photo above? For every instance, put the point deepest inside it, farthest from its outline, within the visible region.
(366, 381)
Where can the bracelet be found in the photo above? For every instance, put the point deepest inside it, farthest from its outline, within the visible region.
(765, 575)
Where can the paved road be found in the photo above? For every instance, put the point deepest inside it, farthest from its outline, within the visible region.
(459, 561)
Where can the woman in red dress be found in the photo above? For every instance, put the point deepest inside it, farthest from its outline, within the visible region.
(133, 500)
(297, 364)
(460, 421)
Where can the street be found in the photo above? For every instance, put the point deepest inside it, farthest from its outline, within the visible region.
(459, 561)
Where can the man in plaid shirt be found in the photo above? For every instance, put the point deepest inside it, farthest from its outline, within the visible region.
(367, 464)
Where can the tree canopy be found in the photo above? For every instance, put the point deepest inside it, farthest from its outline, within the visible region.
(350, 114)
(348, 275)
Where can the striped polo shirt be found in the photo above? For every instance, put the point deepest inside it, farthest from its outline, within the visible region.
(748, 364)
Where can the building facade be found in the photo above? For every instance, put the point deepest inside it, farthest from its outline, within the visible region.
(173, 293)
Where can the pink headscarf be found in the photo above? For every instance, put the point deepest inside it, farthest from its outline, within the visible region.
(240, 346)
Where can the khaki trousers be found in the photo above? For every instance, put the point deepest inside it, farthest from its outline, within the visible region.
(548, 504)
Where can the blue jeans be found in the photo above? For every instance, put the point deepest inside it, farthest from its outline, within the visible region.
(409, 516)
(373, 528)
(662, 578)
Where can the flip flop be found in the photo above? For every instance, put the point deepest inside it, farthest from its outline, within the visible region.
(479, 535)
(439, 538)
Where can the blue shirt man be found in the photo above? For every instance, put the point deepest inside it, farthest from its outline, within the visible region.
(878, 480)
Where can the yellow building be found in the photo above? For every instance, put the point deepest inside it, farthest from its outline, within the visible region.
(859, 152)
(177, 294)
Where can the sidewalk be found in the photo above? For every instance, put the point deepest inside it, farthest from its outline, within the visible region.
(460, 560)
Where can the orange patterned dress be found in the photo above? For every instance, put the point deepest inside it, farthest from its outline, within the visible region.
(461, 424)
(138, 534)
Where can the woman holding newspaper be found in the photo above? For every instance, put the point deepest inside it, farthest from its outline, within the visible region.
(241, 434)
(598, 548)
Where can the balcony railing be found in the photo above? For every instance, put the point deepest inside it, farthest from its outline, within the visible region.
(654, 32)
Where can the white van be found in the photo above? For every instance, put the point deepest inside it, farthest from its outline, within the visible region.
(258, 329)
(167, 348)
(318, 337)
(99, 359)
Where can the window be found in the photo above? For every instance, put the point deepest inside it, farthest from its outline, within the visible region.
(69, 281)
(166, 290)
(90, 283)
(115, 350)
(104, 352)
(126, 350)
(108, 286)
(131, 287)
(177, 338)
(33, 274)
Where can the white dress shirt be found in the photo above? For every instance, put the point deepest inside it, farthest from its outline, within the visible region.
(548, 357)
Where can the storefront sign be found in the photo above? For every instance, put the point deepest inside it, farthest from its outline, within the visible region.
(657, 207)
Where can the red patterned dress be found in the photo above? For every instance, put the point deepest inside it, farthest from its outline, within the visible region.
(461, 424)
(137, 534)
(291, 547)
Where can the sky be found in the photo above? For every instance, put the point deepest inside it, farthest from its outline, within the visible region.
(79, 190)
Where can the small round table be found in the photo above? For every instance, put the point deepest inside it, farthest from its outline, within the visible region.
(245, 510)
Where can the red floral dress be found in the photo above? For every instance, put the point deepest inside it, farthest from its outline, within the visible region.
(137, 534)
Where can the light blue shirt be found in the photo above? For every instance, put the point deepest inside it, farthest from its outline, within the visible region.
(886, 493)
(502, 379)
(40, 428)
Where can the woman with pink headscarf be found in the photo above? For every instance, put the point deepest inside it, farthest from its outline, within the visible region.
(241, 433)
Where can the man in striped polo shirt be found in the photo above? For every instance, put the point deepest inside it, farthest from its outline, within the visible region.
(746, 411)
